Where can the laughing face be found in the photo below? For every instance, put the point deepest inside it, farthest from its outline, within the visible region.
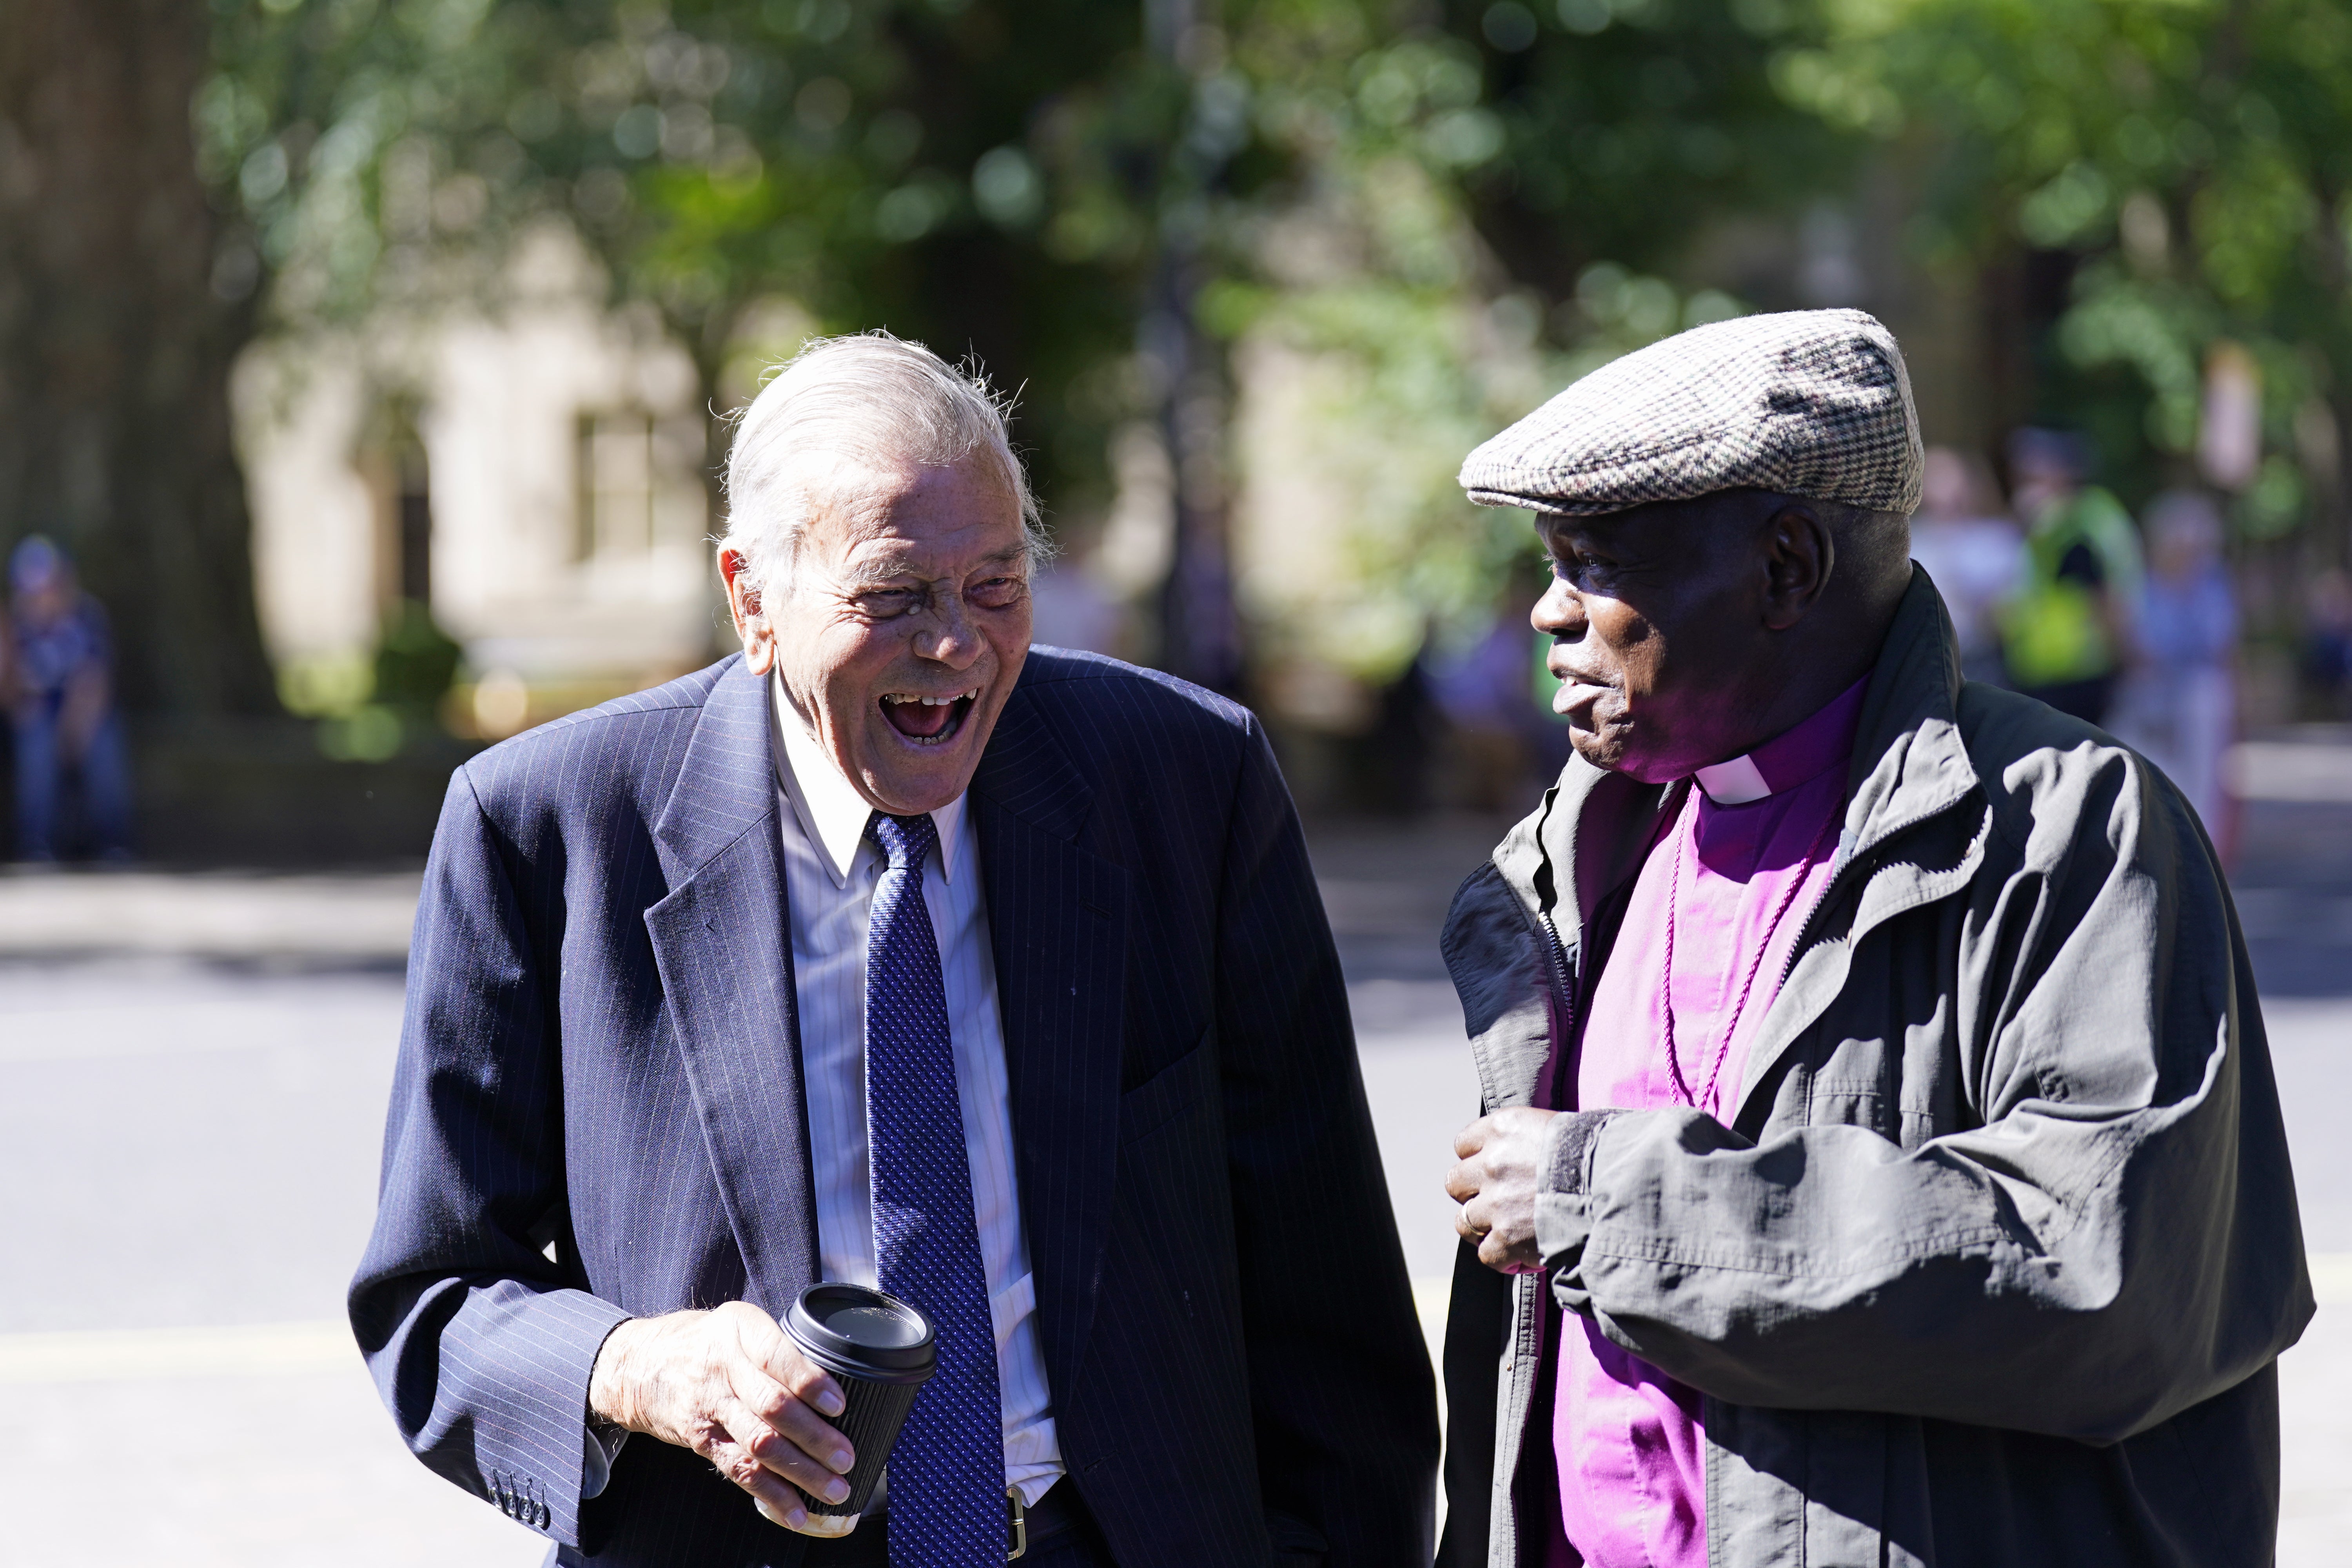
(900, 623)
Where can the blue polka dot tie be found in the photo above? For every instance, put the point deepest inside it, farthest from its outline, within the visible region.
(946, 1472)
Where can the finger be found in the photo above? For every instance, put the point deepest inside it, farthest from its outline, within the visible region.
(766, 1448)
(1462, 1225)
(1463, 1182)
(1503, 1258)
(810, 1382)
(784, 1412)
(822, 1525)
(1471, 1139)
(781, 1504)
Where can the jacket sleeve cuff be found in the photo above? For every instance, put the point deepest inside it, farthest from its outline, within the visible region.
(517, 1362)
(602, 1441)
(1563, 1219)
(1568, 1150)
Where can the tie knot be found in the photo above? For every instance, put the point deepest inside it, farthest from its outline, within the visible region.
(905, 839)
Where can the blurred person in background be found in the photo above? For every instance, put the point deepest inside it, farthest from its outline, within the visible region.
(1973, 550)
(2179, 703)
(2064, 635)
(60, 680)
(1881, 1159)
(2327, 642)
(1501, 732)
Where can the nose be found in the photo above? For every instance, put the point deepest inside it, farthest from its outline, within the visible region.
(1560, 613)
(948, 635)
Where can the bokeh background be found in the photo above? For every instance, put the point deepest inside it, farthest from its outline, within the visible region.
(370, 364)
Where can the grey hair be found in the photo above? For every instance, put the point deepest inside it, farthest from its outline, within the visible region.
(872, 397)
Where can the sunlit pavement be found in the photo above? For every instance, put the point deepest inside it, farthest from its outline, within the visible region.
(193, 1072)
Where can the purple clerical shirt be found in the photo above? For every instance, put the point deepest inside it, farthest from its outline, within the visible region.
(1725, 891)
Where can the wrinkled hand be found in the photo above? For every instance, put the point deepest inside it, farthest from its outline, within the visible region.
(1496, 1183)
(728, 1384)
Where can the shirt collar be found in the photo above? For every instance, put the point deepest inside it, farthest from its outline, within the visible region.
(831, 811)
(1805, 751)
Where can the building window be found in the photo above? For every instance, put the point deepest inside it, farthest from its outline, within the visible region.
(617, 491)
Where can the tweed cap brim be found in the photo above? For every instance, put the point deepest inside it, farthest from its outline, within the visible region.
(1815, 404)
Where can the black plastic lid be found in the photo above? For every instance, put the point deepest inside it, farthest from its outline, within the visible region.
(862, 1328)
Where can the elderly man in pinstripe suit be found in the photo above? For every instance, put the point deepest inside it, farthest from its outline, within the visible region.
(893, 950)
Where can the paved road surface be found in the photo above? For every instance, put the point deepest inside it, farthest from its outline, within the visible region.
(192, 1073)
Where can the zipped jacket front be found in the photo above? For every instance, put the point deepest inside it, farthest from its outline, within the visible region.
(1994, 1260)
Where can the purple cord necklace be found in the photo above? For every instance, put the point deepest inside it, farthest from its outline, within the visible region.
(1667, 977)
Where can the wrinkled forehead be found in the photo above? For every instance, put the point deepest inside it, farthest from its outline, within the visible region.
(866, 514)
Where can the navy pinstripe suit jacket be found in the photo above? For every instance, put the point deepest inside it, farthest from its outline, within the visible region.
(598, 1114)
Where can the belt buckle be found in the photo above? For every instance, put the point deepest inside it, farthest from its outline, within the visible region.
(1016, 1523)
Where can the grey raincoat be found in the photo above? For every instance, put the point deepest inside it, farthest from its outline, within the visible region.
(1994, 1261)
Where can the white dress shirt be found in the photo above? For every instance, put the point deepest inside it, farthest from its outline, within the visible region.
(830, 871)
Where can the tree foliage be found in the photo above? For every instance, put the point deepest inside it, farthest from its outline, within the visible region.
(1450, 208)
(990, 177)
(2191, 159)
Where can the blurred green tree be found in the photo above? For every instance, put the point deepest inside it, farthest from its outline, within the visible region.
(987, 178)
(2182, 170)
(1631, 128)
(1481, 201)
(116, 343)
(1106, 197)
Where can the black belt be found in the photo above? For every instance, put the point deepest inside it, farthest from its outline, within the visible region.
(1051, 1516)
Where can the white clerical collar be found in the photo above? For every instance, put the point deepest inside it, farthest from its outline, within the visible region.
(1734, 783)
(1797, 755)
(831, 811)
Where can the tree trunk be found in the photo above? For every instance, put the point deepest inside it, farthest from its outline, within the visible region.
(114, 350)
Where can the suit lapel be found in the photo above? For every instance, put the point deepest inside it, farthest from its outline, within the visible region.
(722, 943)
(1057, 919)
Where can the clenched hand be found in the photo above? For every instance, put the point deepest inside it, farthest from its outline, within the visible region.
(729, 1385)
(1496, 1183)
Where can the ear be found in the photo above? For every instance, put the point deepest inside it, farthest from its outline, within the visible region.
(1798, 555)
(744, 603)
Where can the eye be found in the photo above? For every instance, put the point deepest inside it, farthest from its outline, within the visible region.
(1572, 563)
(996, 593)
(890, 603)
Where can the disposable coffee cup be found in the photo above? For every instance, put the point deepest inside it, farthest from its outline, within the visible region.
(881, 1351)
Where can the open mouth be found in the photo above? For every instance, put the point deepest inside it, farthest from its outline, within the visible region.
(929, 720)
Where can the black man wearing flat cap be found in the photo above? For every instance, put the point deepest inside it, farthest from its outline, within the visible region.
(1880, 1160)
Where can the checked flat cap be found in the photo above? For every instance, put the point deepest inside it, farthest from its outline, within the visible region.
(1808, 403)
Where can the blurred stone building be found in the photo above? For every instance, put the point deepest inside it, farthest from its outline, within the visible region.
(529, 469)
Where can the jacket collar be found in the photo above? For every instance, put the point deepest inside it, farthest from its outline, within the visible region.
(1911, 770)
(1910, 761)
(722, 942)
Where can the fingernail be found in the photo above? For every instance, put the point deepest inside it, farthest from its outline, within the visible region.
(841, 1460)
(829, 1403)
(837, 1490)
